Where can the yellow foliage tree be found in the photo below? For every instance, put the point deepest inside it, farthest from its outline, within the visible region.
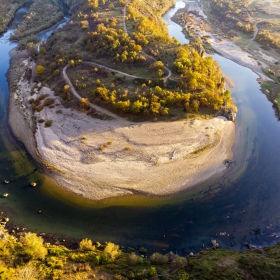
(39, 70)
(32, 245)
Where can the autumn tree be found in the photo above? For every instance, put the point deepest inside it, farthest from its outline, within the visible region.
(39, 70)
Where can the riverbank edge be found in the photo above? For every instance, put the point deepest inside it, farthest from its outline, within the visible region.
(220, 50)
(26, 134)
(11, 19)
(21, 130)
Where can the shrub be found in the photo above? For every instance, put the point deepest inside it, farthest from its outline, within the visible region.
(41, 96)
(39, 70)
(127, 148)
(84, 257)
(39, 108)
(109, 142)
(158, 258)
(55, 263)
(112, 250)
(133, 258)
(57, 250)
(101, 147)
(84, 103)
(32, 245)
(56, 72)
(48, 123)
(86, 245)
(31, 100)
(48, 102)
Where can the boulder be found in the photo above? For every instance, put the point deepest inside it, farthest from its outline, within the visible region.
(227, 113)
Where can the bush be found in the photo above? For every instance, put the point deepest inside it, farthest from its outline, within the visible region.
(127, 148)
(48, 102)
(39, 108)
(84, 257)
(57, 250)
(41, 96)
(48, 123)
(133, 258)
(158, 258)
(39, 70)
(86, 245)
(112, 250)
(32, 245)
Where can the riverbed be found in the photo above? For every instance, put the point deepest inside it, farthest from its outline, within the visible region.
(226, 209)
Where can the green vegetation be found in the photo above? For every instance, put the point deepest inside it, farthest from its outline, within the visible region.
(246, 17)
(7, 11)
(41, 15)
(233, 14)
(48, 123)
(29, 43)
(96, 37)
(26, 256)
(254, 26)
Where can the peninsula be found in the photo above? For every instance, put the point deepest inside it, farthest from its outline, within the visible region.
(118, 107)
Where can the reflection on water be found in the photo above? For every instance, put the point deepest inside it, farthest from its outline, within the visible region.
(227, 209)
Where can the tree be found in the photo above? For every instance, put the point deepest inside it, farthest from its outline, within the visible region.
(84, 103)
(71, 63)
(39, 70)
(137, 106)
(42, 50)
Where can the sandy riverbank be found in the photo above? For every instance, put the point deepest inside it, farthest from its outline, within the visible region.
(20, 117)
(162, 158)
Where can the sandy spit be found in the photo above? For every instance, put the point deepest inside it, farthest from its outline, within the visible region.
(156, 158)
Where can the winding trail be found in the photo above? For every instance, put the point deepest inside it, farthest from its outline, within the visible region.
(98, 108)
(76, 95)
(256, 31)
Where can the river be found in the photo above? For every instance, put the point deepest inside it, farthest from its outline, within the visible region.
(226, 209)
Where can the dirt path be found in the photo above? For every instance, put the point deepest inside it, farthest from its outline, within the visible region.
(256, 31)
(76, 95)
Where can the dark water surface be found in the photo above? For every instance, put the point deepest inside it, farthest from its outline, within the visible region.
(227, 208)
